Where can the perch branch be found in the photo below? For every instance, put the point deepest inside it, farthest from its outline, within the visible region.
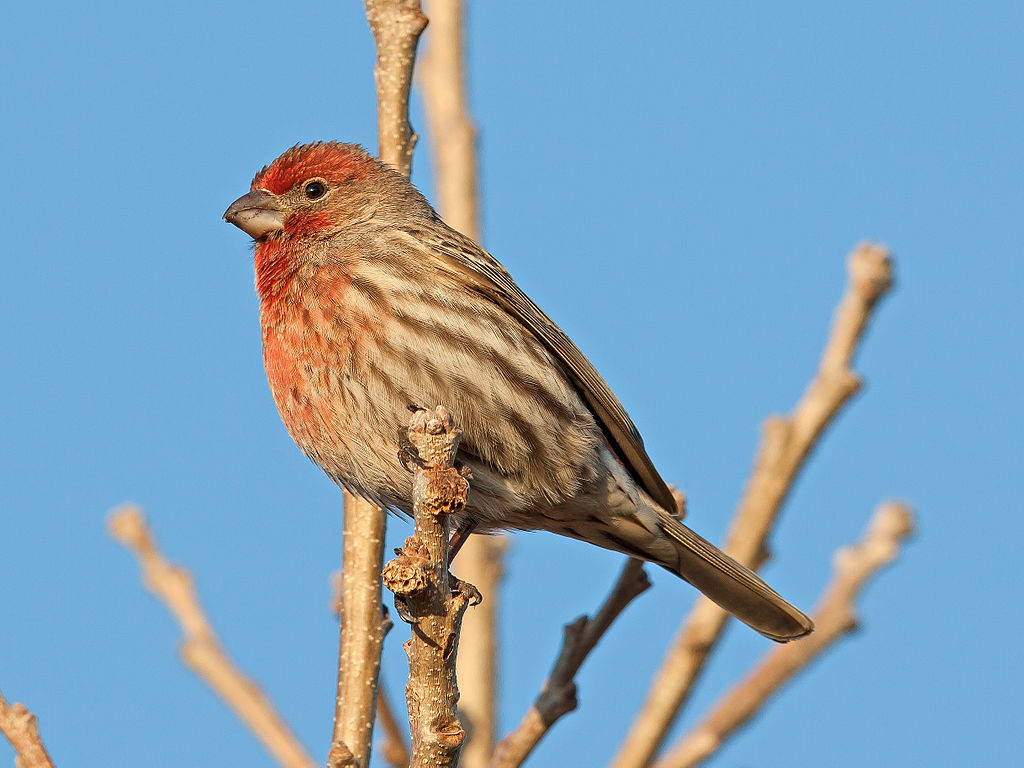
(21, 729)
(396, 27)
(201, 650)
(835, 616)
(428, 597)
(442, 77)
(364, 623)
(785, 445)
(558, 695)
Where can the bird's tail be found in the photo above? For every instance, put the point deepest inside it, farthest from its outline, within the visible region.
(733, 586)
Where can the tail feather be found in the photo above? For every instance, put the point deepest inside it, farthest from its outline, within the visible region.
(733, 586)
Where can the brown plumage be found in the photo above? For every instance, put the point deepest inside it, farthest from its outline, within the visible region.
(370, 303)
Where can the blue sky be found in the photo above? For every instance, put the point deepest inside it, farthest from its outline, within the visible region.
(678, 188)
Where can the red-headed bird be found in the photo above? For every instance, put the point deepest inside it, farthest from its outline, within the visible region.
(369, 303)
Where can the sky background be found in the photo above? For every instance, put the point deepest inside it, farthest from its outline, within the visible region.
(677, 187)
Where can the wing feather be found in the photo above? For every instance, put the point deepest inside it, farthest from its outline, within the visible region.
(483, 270)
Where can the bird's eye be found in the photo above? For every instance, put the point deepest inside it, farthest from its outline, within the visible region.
(314, 190)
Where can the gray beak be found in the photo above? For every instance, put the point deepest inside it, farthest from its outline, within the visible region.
(257, 214)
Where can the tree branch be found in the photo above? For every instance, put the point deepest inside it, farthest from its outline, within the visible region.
(428, 597)
(785, 445)
(201, 650)
(20, 728)
(364, 623)
(396, 27)
(835, 617)
(558, 696)
(442, 76)
(394, 748)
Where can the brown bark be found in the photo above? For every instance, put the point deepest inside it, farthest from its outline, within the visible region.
(428, 597)
(786, 443)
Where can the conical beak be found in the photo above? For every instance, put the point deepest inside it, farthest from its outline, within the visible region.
(257, 214)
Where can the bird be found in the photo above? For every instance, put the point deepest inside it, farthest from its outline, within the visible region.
(370, 303)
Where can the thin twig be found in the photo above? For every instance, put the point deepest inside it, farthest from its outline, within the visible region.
(201, 650)
(396, 27)
(442, 76)
(785, 445)
(558, 696)
(428, 597)
(21, 729)
(364, 623)
(835, 617)
(394, 748)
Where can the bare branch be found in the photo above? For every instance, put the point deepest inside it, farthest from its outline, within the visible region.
(835, 617)
(21, 729)
(201, 650)
(396, 27)
(364, 623)
(785, 445)
(394, 748)
(558, 696)
(428, 597)
(452, 133)
(442, 76)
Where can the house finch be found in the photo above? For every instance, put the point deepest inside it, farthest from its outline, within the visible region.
(370, 303)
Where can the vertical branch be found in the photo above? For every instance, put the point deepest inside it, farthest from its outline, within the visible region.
(835, 617)
(424, 594)
(452, 133)
(20, 728)
(396, 27)
(364, 624)
(785, 445)
(442, 76)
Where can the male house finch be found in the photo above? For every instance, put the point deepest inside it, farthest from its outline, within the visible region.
(370, 303)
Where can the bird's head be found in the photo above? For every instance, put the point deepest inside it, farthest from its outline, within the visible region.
(316, 189)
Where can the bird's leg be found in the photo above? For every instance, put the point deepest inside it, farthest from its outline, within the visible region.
(466, 527)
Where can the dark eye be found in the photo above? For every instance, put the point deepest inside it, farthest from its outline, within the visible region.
(314, 190)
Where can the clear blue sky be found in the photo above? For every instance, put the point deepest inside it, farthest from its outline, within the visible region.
(678, 188)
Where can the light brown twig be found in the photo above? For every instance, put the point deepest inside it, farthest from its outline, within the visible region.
(428, 597)
(393, 748)
(22, 730)
(201, 650)
(785, 445)
(558, 696)
(396, 27)
(834, 617)
(442, 76)
(364, 623)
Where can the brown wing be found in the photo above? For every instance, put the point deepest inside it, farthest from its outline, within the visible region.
(492, 279)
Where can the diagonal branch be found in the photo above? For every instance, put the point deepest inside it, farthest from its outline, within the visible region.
(835, 617)
(785, 445)
(394, 748)
(20, 728)
(201, 650)
(558, 696)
